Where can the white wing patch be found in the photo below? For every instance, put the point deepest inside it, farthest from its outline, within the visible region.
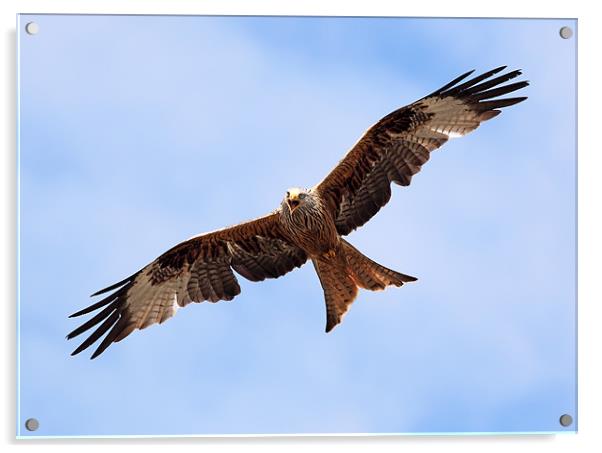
(449, 132)
(450, 117)
(175, 306)
(150, 303)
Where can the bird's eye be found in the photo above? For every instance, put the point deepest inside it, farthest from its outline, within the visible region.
(301, 196)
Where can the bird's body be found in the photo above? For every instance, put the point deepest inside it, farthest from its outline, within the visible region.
(308, 225)
(342, 269)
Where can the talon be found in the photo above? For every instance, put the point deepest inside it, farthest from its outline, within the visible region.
(330, 254)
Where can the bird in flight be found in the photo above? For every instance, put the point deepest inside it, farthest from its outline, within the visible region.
(309, 224)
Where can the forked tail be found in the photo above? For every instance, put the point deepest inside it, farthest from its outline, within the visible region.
(344, 272)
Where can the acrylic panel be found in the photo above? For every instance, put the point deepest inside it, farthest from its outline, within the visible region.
(136, 133)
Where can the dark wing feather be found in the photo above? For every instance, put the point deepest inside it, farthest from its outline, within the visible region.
(199, 269)
(395, 148)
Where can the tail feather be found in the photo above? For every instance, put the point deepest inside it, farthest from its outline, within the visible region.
(369, 274)
(340, 289)
(343, 273)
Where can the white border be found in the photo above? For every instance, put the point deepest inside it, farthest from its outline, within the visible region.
(590, 226)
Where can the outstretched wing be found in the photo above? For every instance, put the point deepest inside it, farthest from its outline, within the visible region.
(395, 148)
(199, 269)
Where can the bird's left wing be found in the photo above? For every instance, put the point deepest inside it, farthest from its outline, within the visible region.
(396, 147)
(199, 269)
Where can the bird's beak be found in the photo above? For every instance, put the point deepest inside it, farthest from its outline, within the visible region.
(293, 202)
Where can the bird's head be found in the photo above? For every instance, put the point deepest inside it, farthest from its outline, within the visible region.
(294, 198)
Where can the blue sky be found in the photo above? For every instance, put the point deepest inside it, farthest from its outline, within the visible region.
(139, 132)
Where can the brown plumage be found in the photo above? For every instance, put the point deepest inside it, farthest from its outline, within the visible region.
(308, 224)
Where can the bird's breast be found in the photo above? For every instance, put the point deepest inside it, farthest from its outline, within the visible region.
(312, 230)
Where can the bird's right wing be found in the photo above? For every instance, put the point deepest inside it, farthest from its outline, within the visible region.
(199, 269)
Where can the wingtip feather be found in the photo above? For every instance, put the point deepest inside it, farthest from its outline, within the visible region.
(77, 350)
(115, 285)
